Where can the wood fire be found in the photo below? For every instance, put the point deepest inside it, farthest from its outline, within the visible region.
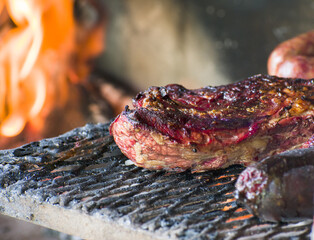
(44, 52)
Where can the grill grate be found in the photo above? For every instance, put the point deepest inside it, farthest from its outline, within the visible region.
(84, 170)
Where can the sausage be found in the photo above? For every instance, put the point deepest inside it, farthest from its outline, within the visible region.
(293, 58)
(279, 188)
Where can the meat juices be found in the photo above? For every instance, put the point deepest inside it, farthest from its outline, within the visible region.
(293, 58)
(174, 128)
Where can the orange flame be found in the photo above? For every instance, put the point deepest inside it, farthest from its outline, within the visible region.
(35, 59)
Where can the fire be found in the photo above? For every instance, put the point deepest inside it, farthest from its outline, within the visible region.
(36, 59)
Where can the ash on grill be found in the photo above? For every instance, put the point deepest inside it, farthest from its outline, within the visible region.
(84, 171)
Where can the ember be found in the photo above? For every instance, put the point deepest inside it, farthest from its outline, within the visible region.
(44, 52)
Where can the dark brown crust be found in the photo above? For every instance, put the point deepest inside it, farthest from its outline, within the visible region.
(175, 128)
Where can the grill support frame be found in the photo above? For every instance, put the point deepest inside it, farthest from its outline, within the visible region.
(79, 183)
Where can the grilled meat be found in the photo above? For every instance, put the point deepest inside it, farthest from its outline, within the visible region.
(174, 128)
(281, 187)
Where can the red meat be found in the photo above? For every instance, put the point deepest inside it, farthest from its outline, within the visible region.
(174, 128)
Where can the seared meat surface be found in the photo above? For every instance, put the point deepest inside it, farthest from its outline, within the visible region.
(175, 128)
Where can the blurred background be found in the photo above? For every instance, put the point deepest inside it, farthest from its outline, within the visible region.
(197, 43)
(68, 62)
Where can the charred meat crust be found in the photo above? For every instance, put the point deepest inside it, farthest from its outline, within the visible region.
(281, 187)
(175, 128)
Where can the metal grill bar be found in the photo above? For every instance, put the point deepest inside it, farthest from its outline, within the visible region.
(83, 172)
